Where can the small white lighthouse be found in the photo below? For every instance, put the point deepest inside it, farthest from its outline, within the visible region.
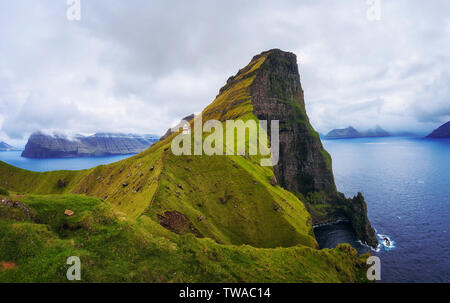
(186, 129)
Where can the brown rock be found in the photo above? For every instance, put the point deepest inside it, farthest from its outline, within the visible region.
(273, 181)
(69, 212)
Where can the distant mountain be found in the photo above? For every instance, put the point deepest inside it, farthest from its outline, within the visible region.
(41, 145)
(344, 133)
(376, 132)
(350, 132)
(442, 132)
(6, 147)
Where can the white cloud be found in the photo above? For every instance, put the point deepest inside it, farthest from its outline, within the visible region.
(138, 66)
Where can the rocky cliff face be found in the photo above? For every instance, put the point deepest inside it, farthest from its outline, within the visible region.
(305, 167)
(278, 95)
(45, 146)
(442, 132)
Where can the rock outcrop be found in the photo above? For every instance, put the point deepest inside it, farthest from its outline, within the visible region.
(442, 132)
(40, 145)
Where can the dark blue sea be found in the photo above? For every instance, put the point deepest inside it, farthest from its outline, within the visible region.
(406, 183)
(42, 165)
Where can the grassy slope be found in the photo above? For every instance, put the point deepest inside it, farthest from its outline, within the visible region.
(115, 250)
(228, 200)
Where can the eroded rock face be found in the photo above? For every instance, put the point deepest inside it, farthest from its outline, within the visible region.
(278, 95)
(40, 145)
(304, 167)
(357, 213)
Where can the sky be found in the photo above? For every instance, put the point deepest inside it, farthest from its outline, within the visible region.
(138, 66)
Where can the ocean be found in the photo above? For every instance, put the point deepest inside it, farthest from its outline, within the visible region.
(43, 165)
(406, 183)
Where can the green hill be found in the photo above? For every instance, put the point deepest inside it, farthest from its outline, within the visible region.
(159, 217)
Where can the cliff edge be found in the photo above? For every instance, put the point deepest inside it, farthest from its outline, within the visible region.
(305, 167)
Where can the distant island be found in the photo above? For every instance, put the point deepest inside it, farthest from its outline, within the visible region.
(42, 145)
(441, 132)
(350, 132)
(6, 147)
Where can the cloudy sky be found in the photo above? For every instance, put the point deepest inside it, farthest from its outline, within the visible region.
(138, 66)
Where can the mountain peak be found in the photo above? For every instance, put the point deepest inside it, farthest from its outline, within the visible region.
(441, 132)
(348, 132)
(268, 89)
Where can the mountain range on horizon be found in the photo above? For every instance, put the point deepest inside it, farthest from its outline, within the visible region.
(6, 147)
(41, 145)
(350, 132)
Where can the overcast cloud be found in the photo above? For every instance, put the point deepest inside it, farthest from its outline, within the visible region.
(139, 66)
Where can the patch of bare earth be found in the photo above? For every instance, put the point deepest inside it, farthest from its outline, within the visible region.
(7, 265)
(178, 223)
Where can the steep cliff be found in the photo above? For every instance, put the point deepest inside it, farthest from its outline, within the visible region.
(40, 145)
(441, 132)
(305, 167)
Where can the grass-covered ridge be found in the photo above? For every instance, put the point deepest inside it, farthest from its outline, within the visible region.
(37, 246)
(157, 217)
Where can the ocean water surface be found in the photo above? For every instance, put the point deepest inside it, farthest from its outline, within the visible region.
(42, 165)
(406, 183)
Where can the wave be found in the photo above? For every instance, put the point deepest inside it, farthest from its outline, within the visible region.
(386, 242)
(377, 249)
